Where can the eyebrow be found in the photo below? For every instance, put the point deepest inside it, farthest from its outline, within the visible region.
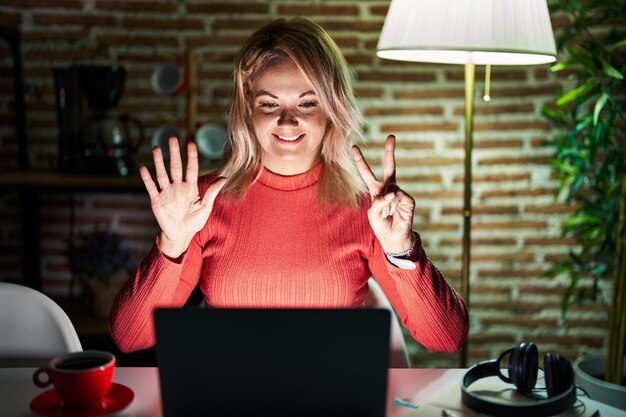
(267, 93)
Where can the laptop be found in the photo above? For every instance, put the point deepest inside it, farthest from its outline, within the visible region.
(272, 362)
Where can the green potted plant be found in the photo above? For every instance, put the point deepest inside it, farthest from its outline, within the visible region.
(102, 264)
(590, 120)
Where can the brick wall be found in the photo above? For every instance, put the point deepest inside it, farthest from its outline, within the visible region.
(516, 222)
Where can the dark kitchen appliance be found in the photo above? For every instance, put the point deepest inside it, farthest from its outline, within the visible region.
(92, 141)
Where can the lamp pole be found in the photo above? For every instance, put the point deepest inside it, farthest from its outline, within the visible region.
(467, 191)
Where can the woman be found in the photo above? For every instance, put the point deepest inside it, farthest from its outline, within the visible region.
(296, 218)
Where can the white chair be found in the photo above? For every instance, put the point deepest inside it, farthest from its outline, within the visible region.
(398, 351)
(33, 328)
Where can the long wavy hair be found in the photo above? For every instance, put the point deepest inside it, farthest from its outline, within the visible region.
(325, 68)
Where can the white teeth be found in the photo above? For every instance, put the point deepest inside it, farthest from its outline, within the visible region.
(289, 138)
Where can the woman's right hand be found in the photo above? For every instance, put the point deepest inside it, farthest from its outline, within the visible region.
(176, 203)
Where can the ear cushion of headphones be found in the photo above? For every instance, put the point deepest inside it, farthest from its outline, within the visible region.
(523, 366)
(558, 372)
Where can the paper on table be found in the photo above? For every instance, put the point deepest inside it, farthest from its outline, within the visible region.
(493, 389)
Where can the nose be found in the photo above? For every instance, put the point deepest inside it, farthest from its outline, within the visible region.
(287, 117)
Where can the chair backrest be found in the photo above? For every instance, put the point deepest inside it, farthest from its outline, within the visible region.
(398, 351)
(33, 328)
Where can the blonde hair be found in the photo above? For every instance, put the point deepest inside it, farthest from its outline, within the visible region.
(325, 68)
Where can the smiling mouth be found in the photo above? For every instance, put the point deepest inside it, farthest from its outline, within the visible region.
(290, 139)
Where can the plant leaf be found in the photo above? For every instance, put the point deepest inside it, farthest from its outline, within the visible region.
(560, 66)
(582, 57)
(581, 90)
(553, 115)
(598, 107)
(617, 45)
(611, 71)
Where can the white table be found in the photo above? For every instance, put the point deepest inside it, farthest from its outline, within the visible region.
(414, 385)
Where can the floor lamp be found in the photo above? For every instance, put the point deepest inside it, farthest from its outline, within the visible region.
(469, 33)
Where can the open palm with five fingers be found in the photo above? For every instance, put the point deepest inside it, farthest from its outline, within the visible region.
(391, 212)
(176, 202)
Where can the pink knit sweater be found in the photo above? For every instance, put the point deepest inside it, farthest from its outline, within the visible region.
(278, 248)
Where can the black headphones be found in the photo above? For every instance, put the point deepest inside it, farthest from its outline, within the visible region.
(523, 367)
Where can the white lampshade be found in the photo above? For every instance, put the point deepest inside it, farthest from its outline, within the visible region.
(491, 32)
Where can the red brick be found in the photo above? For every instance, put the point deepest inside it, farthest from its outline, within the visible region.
(306, 10)
(436, 227)
(208, 40)
(248, 24)
(538, 192)
(10, 19)
(510, 125)
(358, 59)
(352, 25)
(521, 224)
(403, 111)
(162, 24)
(401, 144)
(419, 127)
(395, 76)
(488, 144)
(136, 6)
(368, 92)
(545, 339)
(554, 208)
(509, 273)
(501, 257)
(484, 338)
(421, 162)
(74, 19)
(41, 4)
(513, 307)
(524, 160)
(417, 179)
(436, 93)
(478, 210)
(549, 242)
(228, 8)
(495, 108)
(52, 36)
(347, 41)
(379, 10)
(126, 40)
(517, 322)
(497, 74)
(495, 178)
(475, 242)
(548, 90)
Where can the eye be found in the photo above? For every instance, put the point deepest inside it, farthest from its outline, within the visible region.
(308, 104)
(268, 105)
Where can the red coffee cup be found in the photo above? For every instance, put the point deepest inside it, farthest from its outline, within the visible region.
(81, 379)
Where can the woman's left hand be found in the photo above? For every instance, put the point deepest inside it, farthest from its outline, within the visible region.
(391, 212)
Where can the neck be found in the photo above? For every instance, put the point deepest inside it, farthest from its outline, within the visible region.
(294, 167)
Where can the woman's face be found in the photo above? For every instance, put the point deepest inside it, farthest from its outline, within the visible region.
(288, 119)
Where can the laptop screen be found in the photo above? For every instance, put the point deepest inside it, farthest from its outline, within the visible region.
(272, 362)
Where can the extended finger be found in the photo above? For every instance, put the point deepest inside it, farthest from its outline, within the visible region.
(365, 171)
(159, 167)
(389, 161)
(151, 187)
(176, 164)
(191, 175)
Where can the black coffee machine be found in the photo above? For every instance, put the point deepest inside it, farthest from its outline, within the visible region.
(90, 140)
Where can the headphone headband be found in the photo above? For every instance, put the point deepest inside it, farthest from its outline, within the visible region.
(541, 408)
